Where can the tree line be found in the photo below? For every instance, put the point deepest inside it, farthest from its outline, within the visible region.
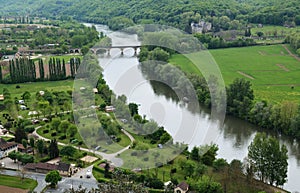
(226, 14)
(25, 70)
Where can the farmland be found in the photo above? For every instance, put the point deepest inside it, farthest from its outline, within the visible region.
(273, 72)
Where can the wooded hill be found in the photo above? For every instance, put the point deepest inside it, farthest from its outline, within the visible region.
(181, 13)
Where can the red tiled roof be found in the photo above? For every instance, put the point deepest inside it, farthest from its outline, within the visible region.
(5, 145)
(183, 186)
(43, 166)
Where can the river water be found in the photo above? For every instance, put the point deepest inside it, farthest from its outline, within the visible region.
(233, 137)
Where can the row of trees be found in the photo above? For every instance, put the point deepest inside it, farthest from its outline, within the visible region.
(21, 70)
(24, 70)
(212, 42)
(294, 41)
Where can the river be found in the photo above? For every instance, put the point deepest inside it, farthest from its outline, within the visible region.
(234, 136)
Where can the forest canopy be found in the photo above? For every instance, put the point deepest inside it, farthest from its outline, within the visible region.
(175, 13)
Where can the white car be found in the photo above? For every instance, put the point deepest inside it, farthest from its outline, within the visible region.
(88, 174)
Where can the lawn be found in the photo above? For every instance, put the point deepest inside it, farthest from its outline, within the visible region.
(273, 73)
(17, 182)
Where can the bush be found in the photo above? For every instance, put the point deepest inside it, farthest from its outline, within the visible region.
(62, 137)
(173, 170)
(134, 153)
(146, 159)
(53, 134)
(29, 128)
(45, 131)
(18, 86)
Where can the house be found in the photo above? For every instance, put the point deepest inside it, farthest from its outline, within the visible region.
(109, 109)
(1, 97)
(201, 26)
(6, 148)
(22, 149)
(21, 102)
(182, 187)
(23, 107)
(95, 90)
(64, 169)
(41, 92)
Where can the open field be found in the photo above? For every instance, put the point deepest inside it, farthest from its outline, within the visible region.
(17, 182)
(273, 72)
(269, 30)
(34, 87)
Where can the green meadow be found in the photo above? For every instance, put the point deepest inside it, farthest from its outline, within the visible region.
(273, 72)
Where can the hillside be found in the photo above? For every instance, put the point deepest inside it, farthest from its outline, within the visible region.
(176, 13)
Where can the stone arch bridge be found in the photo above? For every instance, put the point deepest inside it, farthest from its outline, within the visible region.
(107, 49)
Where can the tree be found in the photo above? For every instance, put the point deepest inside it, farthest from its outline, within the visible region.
(134, 109)
(40, 146)
(239, 98)
(67, 151)
(13, 156)
(53, 149)
(121, 183)
(32, 143)
(53, 178)
(268, 159)
(195, 154)
(55, 123)
(26, 96)
(20, 135)
(260, 34)
(63, 126)
(207, 185)
(25, 158)
(24, 143)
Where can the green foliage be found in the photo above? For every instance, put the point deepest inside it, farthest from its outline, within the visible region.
(68, 151)
(53, 178)
(268, 159)
(239, 98)
(206, 185)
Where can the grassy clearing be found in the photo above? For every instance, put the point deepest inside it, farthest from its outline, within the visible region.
(269, 29)
(271, 82)
(17, 182)
(34, 87)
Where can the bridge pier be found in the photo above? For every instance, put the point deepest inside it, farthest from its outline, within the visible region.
(122, 51)
(108, 52)
(135, 51)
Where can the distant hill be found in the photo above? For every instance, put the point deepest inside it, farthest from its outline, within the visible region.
(177, 13)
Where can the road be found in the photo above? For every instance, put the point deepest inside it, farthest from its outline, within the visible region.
(65, 184)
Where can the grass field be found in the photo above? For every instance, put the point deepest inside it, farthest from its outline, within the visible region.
(269, 29)
(17, 182)
(270, 69)
(35, 87)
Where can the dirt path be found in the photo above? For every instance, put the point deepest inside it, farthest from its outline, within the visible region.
(283, 67)
(6, 189)
(246, 75)
(290, 53)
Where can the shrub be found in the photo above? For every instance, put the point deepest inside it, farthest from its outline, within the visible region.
(62, 137)
(29, 128)
(53, 134)
(45, 131)
(173, 170)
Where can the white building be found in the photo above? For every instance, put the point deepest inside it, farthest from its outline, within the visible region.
(6, 148)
